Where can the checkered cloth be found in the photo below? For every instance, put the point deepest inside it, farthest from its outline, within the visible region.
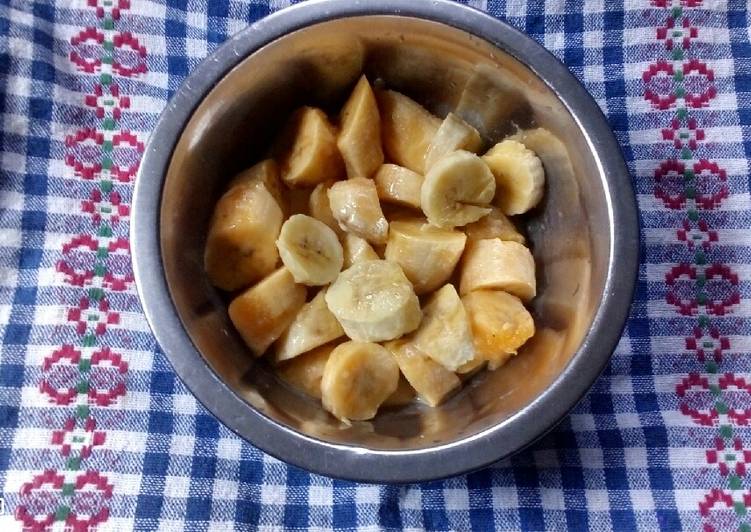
(97, 432)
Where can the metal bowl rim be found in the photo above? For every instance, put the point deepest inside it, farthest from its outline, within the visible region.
(356, 463)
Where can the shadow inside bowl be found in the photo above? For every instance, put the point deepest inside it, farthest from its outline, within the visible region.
(445, 69)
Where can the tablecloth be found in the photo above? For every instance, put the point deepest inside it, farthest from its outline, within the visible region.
(96, 432)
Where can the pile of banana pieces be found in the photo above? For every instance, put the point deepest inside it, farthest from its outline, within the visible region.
(377, 221)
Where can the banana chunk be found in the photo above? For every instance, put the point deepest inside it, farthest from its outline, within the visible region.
(495, 264)
(305, 372)
(453, 134)
(240, 243)
(310, 250)
(444, 334)
(264, 311)
(519, 176)
(355, 206)
(427, 254)
(399, 185)
(319, 208)
(356, 249)
(457, 190)
(500, 325)
(494, 225)
(358, 377)
(403, 395)
(407, 129)
(313, 326)
(360, 137)
(430, 379)
(374, 301)
(309, 154)
(266, 172)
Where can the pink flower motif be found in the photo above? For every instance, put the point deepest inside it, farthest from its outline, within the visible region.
(88, 507)
(708, 344)
(95, 318)
(717, 509)
(129, 55)
(677, 36)
(729, 458)
(720, 289)
(681, 281)
(670, 184)
(78, 439)
(105, 207)
(40, 499)
(84, 152)
(697, 400)
(61, 375)
(711, 184)
(79, 260)
(127, 155)
(683, 136)
(86, 49)
(696, 234)
(107, 377)
(107, 99)
(659, 85)
(698, 83)
(114, 7)
(735, 395)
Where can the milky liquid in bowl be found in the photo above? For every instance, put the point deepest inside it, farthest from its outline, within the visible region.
(445, 69)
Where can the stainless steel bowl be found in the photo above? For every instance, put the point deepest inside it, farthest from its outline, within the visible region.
(448, 57)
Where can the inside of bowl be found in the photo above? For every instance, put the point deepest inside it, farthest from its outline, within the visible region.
(445, 69)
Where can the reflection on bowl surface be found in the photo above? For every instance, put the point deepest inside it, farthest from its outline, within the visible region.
(446, 69)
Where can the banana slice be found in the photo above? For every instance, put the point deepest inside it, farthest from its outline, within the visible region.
(407, 129)
(313, 326)
(319, 208)
(500, 325)
(309, 154)
(444, 334)
(519, 176)
(310, 250)
(495, 264)
(403, 395)
(396, 184)
(358, 377)
(266, 172)
(355, 206)
(356, 249)
(427, 254)
(374, 301)
(306, 371)
(264, 311)
(457, 190)
(454, 134)
(430, 379)
(240, 243)
(494, 225)
(360, 137)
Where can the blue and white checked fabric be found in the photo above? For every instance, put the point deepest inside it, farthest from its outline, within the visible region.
(97, 432)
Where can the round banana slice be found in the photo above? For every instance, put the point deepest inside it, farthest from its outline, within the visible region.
(358, 377)
(310, 250)
(374, 301)
(457, 190)
(519, 176)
